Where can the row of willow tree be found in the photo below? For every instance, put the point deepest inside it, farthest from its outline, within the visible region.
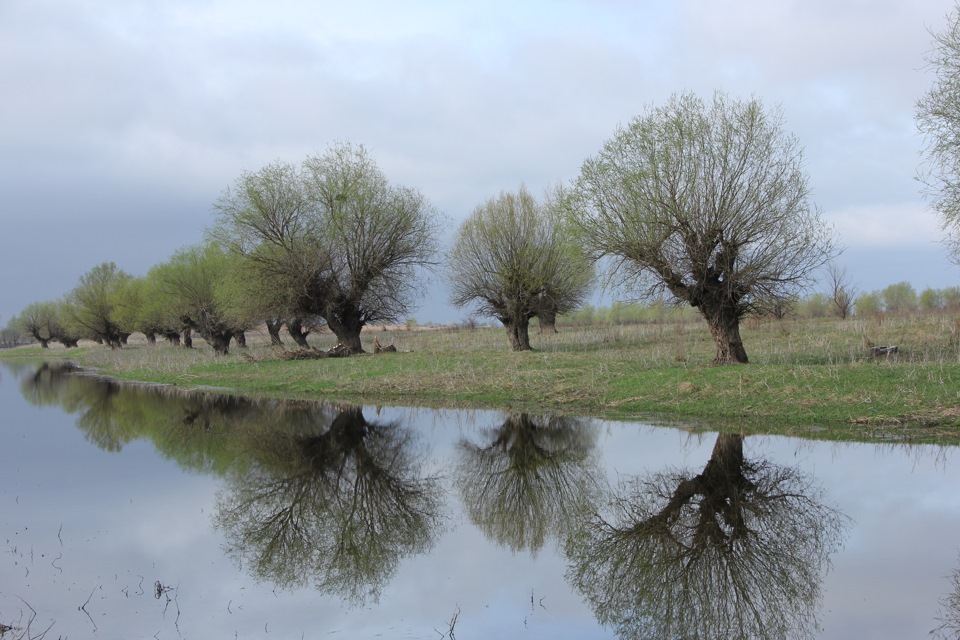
(705, 202)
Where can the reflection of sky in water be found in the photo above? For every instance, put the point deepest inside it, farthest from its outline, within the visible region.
(129, 519)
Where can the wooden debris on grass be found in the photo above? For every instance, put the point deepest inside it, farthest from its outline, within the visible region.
(378, 348)
(877, 352)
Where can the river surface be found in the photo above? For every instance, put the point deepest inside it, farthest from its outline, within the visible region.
(144, 512)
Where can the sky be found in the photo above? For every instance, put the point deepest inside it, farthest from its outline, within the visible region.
(122, 121)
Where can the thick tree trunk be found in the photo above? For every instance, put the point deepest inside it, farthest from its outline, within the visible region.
(241, 339)
(721, 486)
(273, 328)
(348, 339)
(187, 337)
(220, 341)
(725, 329)
(518, 330)
(726, 461)
(44, 342)
(346, 322)
(69, 343)
(295, 329)
(151, 337)
(172, 337)
(548, 321)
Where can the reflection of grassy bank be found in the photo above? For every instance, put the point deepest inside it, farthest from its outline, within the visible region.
(802, 373)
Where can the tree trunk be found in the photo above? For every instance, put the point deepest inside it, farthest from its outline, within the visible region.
(548, 321)
(44, 342)
(726, 461)
(273, 328)
(172, 337)
(187, 337)
(295, 329)
(241, 339)
(518, 330)
(151, 337)
(725, 329)
(220, 341)
(348, 336)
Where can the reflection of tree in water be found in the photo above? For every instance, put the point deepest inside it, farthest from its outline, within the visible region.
(199, 430)
(736, 551)
(948, 618)
(531, 479)
(316, 493)
(338, 505)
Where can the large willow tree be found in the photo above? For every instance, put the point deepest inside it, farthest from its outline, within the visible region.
(331, 238)
(709, 203)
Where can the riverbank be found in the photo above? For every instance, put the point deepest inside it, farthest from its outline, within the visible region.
(806, 377)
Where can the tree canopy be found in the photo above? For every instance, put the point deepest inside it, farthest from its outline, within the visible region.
(514, 259)
(706, 202)
(91, 309)
(187, 285)
(938, 119)
(331, 238)
(737, 550)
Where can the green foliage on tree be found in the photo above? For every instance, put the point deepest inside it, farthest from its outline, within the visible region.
(186, 286)
(899, 298)
(817, 305)
(41, 320)
(931, 300)
(514, 259)
(709, 203)
(951, 298)
(330, 238)
(12, 334)
(93, 308)
(869, 304)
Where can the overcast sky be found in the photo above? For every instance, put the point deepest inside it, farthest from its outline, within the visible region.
(121, 121)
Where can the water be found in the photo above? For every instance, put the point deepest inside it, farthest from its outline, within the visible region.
(137, 512)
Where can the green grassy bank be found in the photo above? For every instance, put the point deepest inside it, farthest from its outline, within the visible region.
(806, 377)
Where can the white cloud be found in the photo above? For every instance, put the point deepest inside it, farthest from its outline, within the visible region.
(886, 225)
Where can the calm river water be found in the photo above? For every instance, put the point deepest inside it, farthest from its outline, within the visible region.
(138, 512)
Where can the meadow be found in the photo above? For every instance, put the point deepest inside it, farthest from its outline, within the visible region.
(807, 377)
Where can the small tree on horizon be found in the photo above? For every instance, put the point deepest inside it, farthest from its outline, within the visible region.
(842, 292)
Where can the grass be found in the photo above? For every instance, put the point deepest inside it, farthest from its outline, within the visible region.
(806, 377)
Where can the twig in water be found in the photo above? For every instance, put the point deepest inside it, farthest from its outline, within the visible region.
(26, 631)
(453, 623)
(176, 603)
(83, 608)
